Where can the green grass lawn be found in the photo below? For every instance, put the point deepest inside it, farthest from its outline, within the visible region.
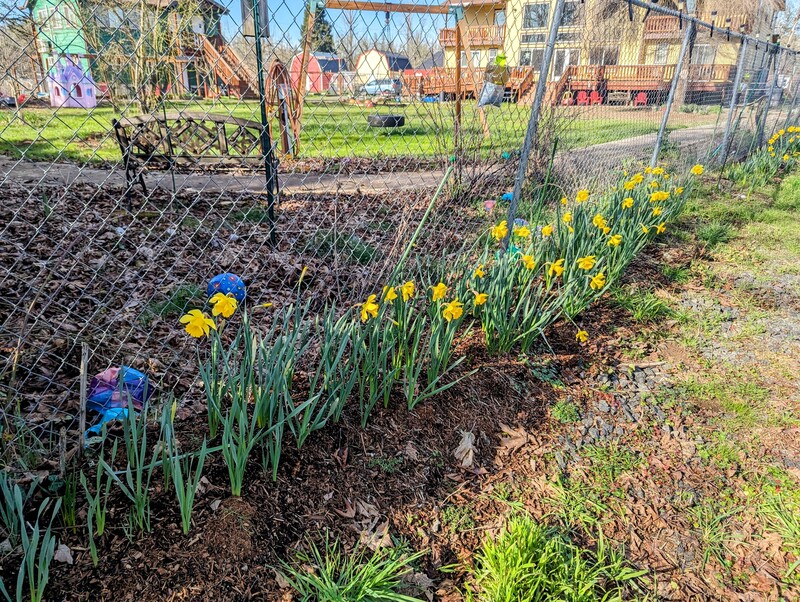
(329, 129)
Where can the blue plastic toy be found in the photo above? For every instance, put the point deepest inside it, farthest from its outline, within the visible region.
(507, 196)
(227, 284)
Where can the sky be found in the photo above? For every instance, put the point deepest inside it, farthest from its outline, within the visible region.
(286, 19)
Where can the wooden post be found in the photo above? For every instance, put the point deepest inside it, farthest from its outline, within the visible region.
(84, 392)
(471, 68)
(301, 84)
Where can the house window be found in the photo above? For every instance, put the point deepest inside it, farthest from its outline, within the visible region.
(605, 55)
(491, 55)
(463, 59)
(703, 54)
(476, 58)
(662, 52)
(562, 59)
(499, 18)
(531, 57)
(572, 14)
(533, 38)
(535, 15)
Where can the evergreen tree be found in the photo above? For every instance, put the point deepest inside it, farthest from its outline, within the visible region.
(322, 34)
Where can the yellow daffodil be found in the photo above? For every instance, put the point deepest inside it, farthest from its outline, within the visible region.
(564, 200)
(224, 305)
(369, 308)
(627, 202)
(679, 190)
(582, 196)
(598, 281)
(658, 171)
(582, 336)
(698, 170)
(606, 230)
(389, 294)
(599, 221)
(547, 230)
(479, 273)
(666, 176)
(567, 217)
(615, 240)
(637, 178)
(571, 229)
(453, 310)
(771, 148)
(528, 262)
(586, 263)
(481, 298)
(654, 184)
(780, 133)
(500, 231)
(645, 229)
(439, 291)
(656, 211)
(629, 185)
(408, 290)
(786, 157)
(772, 154)
(661, 228)
(648, 169)
(522, 231)
(556, 268)
(197, 324)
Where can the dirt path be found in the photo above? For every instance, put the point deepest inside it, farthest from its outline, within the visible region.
(593, 161)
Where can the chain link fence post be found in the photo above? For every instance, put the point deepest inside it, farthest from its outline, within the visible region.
(672, 88)
(762, 124)
(533, 121)
(737, 82)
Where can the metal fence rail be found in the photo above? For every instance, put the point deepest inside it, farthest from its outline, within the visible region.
(146, 146)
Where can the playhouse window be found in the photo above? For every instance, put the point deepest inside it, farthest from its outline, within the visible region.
(78, 92)
(58, 91)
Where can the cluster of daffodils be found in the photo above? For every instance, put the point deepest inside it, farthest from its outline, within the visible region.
(198, 324)
(781, 153)
(589, 240)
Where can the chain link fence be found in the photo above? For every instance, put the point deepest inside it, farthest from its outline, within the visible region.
(146, 146)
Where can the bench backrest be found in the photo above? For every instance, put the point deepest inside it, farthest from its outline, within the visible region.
(189, 140)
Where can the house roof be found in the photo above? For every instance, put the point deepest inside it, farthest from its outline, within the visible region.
(433, 61)
(397, 62)
(329, 62)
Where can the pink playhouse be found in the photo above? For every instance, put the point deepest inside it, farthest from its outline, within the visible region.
(70, 85)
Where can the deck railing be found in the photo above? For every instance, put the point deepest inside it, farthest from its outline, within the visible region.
(490, 35)
(662, 27)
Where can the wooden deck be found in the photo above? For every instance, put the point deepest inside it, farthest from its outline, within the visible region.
(651, 79)
(658, 27)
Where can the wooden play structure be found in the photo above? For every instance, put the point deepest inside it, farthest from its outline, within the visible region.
(283, 99)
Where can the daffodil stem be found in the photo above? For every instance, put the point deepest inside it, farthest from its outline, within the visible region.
(418, 231)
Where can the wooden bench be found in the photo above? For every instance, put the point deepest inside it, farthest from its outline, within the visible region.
(192, 141)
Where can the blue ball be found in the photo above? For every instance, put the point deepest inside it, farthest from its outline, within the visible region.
(507, 196)
(227, 284)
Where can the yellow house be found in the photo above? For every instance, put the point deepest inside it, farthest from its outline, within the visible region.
(636, 56)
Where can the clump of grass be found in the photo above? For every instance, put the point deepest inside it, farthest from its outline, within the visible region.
(331, 575)
(351, 247)
(715, 233)
(387, 465)
(609, 462)
(178, 301)
(710, 525)
(676, 274)
(457, 518)
(529, 562)
(565, 411)
(644, 306)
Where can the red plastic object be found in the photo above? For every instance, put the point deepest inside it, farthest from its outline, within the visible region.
(583, 98)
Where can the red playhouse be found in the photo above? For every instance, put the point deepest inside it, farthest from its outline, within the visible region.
(322, 68)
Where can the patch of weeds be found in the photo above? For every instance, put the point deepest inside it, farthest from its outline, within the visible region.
(326, 244)
(505, 493)
(457, 518)
(710, 525)
(545, 371)
(715, 233)
(530, 562)
(387, 465)
(738, 392)
(778, 504)
(191, 223)
(178, 301)
(333, 575)
(676, 274)
(577, 505)
(252, 215)
(721, 452)
(609, 462)
(644, 306)
(565, 411)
